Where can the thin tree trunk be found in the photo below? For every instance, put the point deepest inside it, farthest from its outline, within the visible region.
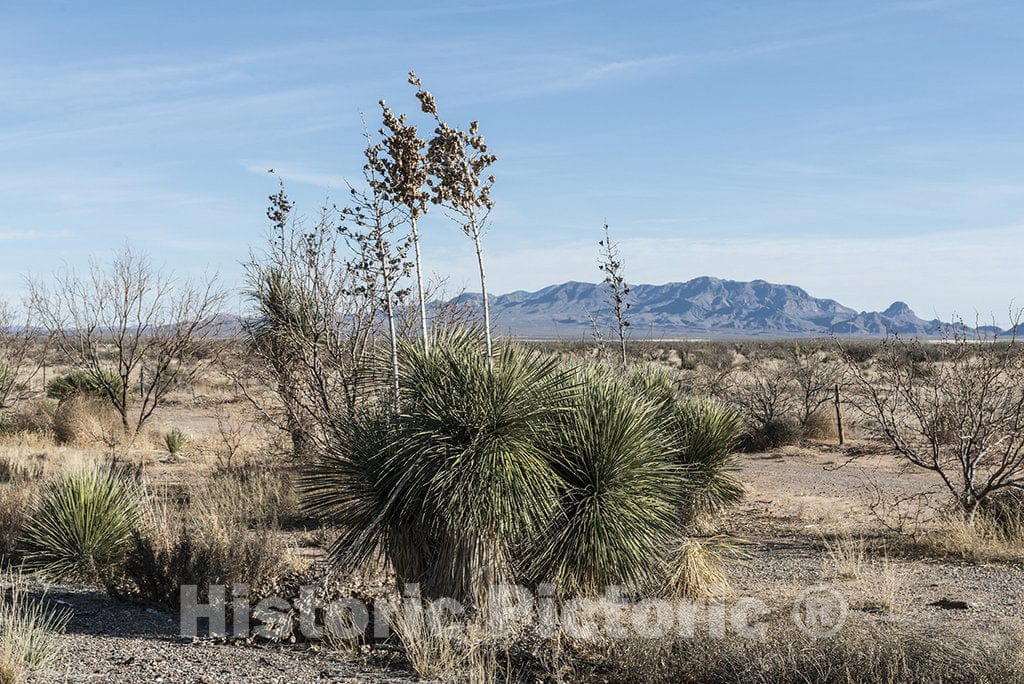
(419, 286)
(483, 292)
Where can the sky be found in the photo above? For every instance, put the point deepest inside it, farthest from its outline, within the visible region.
(865, 151)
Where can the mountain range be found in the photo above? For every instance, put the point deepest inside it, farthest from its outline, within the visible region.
(702, 307)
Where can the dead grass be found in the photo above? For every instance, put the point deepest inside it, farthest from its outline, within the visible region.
(863, 651)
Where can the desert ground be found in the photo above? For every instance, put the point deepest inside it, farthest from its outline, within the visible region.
(852, 517)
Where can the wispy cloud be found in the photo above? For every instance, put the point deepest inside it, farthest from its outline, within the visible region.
(32, 235)
(296, 174)
(556, 73)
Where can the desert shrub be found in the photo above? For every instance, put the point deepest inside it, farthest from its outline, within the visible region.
(957, 413)
(171, 548)
(27, 629)
(80, 383)
(83, 419)
(617, 491)
(820, 425)
(174, 441)
(83, 526)
(17, 501)
(771, 435)
(30, 417)
(1005, 511)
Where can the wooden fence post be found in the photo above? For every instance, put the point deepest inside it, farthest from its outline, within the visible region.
(839, 417)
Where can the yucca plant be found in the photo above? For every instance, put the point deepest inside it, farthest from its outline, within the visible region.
(83, 526)
(174, 441)
(706, 435)
(453, 485)
(473, 438)
(617, 494)
(352, 486)
(81, 383)
(27, 628)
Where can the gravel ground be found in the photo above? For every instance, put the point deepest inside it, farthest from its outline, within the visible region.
(111, 641)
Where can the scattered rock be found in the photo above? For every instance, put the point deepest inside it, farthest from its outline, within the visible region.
(950, 604)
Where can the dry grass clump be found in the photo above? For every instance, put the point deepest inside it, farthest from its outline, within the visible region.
(847, 556)
(253, 494)
(17, 502)
(30, 417)
(442, 647)
(696, 570)
(175, 546)
(84, 419)
(980, 541)
(862, 651)
(27, 628)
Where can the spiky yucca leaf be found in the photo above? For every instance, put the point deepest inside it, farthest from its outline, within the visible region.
(352, 485)
(83, 525)
(617, 498)
(707, 433)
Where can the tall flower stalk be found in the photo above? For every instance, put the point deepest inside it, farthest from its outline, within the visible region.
(618, 289)
(371, 221)
(457, 161)
(403, 173)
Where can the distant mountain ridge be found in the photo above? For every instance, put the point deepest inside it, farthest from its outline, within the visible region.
(702, 307)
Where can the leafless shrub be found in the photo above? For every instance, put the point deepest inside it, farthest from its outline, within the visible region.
(309, 346)
(233, 431)
(960, 416)
(134, 328)
(21, 353)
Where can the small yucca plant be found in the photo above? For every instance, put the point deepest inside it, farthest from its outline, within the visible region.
(707, 434)
(174, 441)
(83, 526)
(27, 628)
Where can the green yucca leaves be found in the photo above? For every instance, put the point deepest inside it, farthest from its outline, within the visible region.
(530, 472)
(471, 450)
(353, 484)
(707, 434)
(83, 525)
(617, 493)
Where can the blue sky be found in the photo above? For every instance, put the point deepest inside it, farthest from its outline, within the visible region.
(865, 151)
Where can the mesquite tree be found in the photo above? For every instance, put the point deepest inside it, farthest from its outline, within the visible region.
(312, 335)
(959, 415)
(18, 364)
(380, 262)
(457, 161)
(618, 289)
(138, 331)
(402, 174)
